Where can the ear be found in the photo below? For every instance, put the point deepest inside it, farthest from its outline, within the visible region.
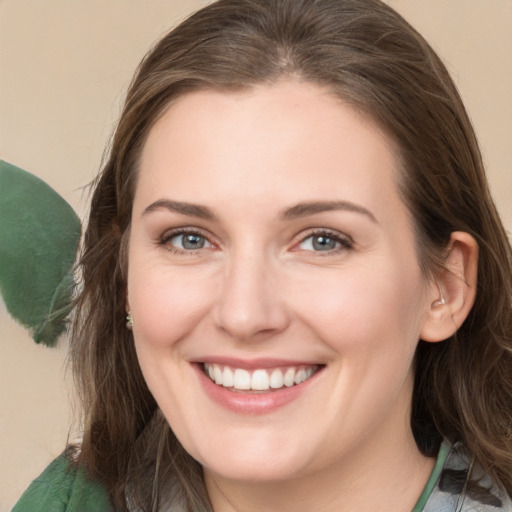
(453, 290)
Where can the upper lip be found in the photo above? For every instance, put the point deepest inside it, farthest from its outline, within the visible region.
(253, 364)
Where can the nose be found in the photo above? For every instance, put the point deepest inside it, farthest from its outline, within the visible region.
(250, 305)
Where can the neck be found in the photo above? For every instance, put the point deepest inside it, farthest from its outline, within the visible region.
(382, 475)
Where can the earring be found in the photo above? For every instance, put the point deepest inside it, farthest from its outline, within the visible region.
(129, 321)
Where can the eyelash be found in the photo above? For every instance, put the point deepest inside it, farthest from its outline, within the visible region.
(344, 242)
(168, 236)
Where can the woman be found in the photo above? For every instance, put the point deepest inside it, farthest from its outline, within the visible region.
(296, 287)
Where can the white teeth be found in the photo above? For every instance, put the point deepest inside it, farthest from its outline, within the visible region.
(259, 380)
(217, 374)
(289, 377)
(227, 378)
(300, 376)
(242, 379)
(276, 379)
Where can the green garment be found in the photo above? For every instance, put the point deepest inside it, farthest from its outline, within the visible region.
(63, 488)
(455, 485)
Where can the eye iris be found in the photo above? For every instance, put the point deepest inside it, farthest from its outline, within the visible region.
(323, 243)
(192, 241)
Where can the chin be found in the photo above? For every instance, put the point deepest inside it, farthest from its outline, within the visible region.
(263, 471)
(252, 458)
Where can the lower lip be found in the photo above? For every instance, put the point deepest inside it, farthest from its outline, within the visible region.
(252, 403)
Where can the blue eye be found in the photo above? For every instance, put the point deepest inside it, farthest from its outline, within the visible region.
(188, 241)
(324, 242)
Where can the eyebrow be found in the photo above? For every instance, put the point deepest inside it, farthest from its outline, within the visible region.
(312, 207)
(299, 210)
(193, 210)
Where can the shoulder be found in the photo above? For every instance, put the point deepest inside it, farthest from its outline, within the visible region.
(63, 487)
(463, 486)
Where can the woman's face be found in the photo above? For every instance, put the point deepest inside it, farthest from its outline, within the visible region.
(273, 281)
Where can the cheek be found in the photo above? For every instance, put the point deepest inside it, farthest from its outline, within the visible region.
(166, 304)
(367, 309)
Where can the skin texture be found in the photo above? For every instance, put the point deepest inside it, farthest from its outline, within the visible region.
(260, 290)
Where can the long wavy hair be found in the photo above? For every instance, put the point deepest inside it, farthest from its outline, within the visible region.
(369, 56)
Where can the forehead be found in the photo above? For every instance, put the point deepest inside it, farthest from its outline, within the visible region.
(279, 141)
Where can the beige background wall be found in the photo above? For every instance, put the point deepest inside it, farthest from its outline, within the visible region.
(64, 67)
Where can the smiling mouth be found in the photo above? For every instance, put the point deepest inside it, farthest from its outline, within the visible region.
(259, 380)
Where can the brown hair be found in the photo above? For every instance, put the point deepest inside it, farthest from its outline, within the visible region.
(371, 57)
